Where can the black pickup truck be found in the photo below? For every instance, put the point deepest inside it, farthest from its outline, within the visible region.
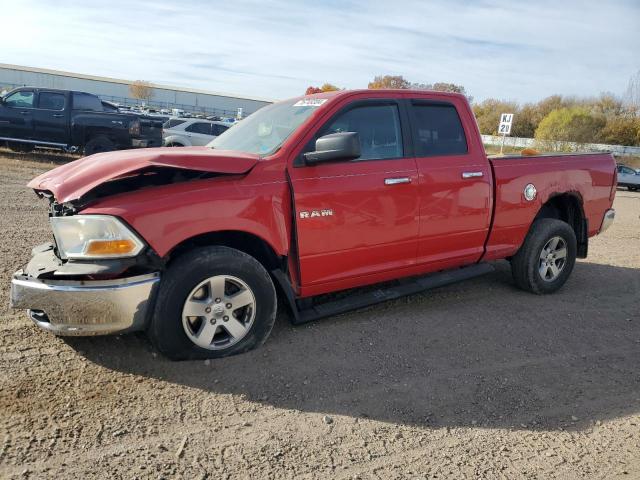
(72, 121)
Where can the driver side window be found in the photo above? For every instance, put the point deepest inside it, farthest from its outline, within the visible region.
(22, 99)
(378, 127)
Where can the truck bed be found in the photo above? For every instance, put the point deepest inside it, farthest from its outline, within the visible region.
(589, 177)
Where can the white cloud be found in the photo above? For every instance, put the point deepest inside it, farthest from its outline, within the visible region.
(275, 49)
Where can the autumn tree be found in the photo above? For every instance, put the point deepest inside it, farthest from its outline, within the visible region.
(326, 87)
(488, 114)
(389, 81)
(622, 130)
(141, 90)
(329, 87)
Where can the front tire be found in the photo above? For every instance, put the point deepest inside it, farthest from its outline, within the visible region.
(213, 302)
(546, 258)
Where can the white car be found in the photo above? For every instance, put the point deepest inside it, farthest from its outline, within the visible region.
(628, 177)
(183, 132)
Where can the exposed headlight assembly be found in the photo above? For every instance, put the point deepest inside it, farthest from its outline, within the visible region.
(94, 236)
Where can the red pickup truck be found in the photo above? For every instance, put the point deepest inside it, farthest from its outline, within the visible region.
(303, 198)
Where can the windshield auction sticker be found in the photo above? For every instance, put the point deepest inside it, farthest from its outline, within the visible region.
(310, 102)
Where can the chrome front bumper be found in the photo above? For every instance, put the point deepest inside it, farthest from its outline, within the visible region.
(88, 307)
(607, 221)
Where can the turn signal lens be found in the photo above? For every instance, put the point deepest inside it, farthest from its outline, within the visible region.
(110, 247)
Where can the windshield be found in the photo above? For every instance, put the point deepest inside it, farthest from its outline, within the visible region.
(266, 130)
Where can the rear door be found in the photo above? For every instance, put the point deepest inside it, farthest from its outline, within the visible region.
(16, 115)
(50, 118)
(199, 133)
(455, 184)
(359, 217)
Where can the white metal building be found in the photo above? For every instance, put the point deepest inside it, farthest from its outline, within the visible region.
(117, 90)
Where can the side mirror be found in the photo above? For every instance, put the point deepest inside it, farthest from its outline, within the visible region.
(335, 146)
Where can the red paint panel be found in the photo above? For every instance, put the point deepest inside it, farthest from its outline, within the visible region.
(373, 226)
(588, 177)
(168, 215)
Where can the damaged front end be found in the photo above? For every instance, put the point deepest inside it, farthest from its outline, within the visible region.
(99, 276)
(86, 296)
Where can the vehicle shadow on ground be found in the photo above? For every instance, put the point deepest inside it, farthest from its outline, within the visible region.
(479, 353)
(41, 156)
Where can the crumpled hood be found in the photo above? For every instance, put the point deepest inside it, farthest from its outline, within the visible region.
(73, 180)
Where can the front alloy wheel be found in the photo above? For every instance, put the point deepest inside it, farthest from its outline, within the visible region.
(218, 312)
(212, 302)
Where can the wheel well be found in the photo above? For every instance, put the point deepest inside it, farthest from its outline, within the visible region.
(568, 208)
(93, 133)
(245, 242)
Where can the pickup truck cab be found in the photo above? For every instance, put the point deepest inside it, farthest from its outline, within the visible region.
(304, 198)
(72, 121)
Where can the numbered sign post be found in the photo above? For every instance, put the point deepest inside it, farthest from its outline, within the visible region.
(504, 128)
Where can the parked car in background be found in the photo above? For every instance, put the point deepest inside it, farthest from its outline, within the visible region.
(628, 177)
(72, 121)
(183, 132)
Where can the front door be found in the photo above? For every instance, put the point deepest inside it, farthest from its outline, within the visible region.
(16, 115)
(358, 218)
(50, 119)
(455, 186)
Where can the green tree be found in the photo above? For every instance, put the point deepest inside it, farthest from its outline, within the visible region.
(560, 127)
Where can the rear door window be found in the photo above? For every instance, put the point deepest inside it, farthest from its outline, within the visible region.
(51, 101)
(199, 127)
(218, 129)
(437, 130)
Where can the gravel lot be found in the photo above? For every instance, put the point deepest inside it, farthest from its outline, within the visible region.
(476, 380)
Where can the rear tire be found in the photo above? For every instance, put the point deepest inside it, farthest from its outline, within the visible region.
(98, 144)
(206, 282)
(546, 258)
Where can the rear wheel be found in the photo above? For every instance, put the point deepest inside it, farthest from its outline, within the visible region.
(98, 144)
(546, 258)
(213, 302)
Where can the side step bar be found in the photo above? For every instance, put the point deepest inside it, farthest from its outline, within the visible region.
(398, 289)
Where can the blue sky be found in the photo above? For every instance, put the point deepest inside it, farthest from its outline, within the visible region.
(514, 50)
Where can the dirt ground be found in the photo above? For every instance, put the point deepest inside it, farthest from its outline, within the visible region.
(475, 380)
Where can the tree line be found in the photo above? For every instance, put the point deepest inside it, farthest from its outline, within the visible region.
(555, 122)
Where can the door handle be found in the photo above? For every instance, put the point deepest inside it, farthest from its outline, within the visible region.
(472, 174)
(25, 112)
(58, 115)
(396, 181)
